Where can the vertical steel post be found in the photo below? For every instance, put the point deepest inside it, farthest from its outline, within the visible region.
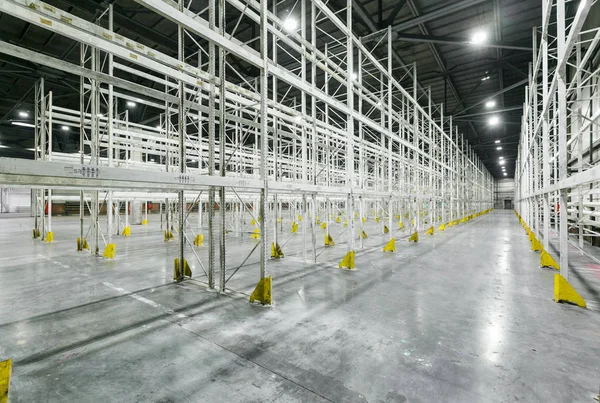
(222, 152)
(350, 127)
(264, 70)
(545, 133)
(181, 130)
(575, 129)
(212, 60)
(562, 139)
(49, 156)
(109, 125)
(39, 85)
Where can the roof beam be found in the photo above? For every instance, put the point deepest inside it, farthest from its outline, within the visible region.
(399, 5)
(362, 13)
(18, 104)
(476, 64)
(506, 89)
(440, 62)
(515, 69)
(504, 122)
(433, 15)
(446, 40)
(494, 112)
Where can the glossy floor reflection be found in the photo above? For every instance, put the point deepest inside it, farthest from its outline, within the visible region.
(463, 316)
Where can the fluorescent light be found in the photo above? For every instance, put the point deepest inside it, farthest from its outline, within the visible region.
(23, 124)
(479, 37)
(501, 158)
(497, 141)
(505, 174)
(3, 146)
(502, 162)
(131, 104)
(65, 128)
(485, 78)
(23, 114)
(290, 24)
(494, 120)
(498, 148)
(490, 104)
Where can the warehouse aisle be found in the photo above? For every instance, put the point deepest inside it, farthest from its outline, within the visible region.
(465, 315)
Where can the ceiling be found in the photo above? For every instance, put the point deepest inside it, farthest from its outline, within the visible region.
(433, 34)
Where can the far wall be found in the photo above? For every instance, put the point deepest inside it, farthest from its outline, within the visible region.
(14, 200)
(504, 190)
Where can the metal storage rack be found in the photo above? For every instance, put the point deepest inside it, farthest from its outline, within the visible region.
(325, 129)
(557, 174)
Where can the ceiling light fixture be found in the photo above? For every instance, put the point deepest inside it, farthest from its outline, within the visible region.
(354, 76)
(23, 124)
(498, 148)
(65, 128)
(494, 120)
(290, 24)
(478, 37)
(298, 118)
(131, 104)
(23, 114)
(505, 174)
(490, 104)
(3, 146)
(485, 78)
(497, 141)
(502, 162)
(501, 158)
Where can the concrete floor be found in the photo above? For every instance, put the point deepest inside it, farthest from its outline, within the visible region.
(464, 316)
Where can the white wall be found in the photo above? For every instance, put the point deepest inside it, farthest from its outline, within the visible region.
(505, 190)
(15, 200)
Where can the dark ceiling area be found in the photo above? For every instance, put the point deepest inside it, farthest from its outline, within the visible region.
(462, 75)
(436, 35)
